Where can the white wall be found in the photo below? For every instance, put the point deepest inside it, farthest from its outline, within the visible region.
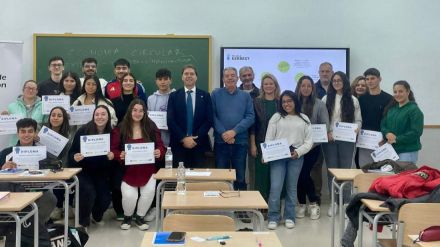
(399, 37)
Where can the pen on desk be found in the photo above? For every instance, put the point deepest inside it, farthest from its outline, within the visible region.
(259, 243)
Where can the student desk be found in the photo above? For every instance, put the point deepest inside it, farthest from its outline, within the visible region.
(424, 244)
(169, 176)
(242, 239)
(13, 207)
(249, 201)
(341, 178)
(53, 178)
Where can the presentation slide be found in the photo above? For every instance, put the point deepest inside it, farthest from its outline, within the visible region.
(287, 64)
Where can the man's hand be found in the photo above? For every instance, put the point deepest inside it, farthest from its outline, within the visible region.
(228, 135)
(188, 142)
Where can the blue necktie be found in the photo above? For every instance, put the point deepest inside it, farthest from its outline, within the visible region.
(189, 113)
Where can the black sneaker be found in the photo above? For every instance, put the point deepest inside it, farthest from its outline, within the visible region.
(126, 223)
(141, 223)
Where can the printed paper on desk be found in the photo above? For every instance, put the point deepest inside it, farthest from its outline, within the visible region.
(139, 153)
(345, 131)
(275, 150)
(53, 141)
(159, 118)
(197, 174)
(211, 193)
(369, 139)
(27, 157)
(51, 101)
(384, 152)
(95, 145)
(8, 124)
(319, 133)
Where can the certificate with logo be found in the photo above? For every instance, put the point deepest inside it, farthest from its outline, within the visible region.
(53, 141)
(275, 150)
(80, 115)
(384, 152)
(8, 124)
(50, 101)
(95, 145)
(159, 118)
(139, 153)
(319, 133)
(345, 131)
(369, 139)
(27, 157)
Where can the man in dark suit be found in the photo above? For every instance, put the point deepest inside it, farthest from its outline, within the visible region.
(189, 118)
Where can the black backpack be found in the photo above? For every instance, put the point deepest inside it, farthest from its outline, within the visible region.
(76, 237)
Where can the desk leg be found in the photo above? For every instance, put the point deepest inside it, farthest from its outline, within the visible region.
(332, 205)
(360, 225)
(342, 209)
(76, 181)
(259, 216)
(66, 210)
(17, 229)
(36, 232)
(158, 204)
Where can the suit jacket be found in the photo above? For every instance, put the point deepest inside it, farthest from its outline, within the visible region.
(202, 121)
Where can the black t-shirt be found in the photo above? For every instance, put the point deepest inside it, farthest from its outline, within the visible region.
(372, 107)
(48, 87)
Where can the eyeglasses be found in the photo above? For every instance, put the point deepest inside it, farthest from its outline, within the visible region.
(229, 194)
(31, 88)
(56, 65)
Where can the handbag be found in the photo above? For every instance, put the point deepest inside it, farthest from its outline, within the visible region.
(429, 234)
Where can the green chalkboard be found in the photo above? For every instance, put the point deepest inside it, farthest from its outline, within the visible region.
(146, 54)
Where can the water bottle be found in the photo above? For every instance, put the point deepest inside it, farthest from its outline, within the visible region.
(181, 187)
(168, 159)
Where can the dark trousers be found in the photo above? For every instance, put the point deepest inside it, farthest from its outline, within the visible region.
(191, 158)
(94, 197)
(306, 187)
(117, 172)
(233, 156)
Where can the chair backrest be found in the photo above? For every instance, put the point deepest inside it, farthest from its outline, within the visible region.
(417, 217)
(362, 182)
(205, 186)
(201, 223)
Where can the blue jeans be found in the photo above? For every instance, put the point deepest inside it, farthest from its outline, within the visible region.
(232, 156)
(409, 157)
(286, 169)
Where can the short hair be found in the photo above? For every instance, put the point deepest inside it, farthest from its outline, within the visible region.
(164, 72)
(56, 58)
(121, 61)
(230, 68)
(372, 71)
(326, 63)
(190, 66)
(244, 68)
(28, 81)
(89, 60)
(25, 123)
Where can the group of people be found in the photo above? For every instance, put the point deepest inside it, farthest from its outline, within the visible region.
(242, 118)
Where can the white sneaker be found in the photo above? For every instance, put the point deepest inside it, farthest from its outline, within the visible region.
(289, 224)
(272, 225)
(57, 213)
(335, 212)
(151, 214)
(300, 211)
(315, 211)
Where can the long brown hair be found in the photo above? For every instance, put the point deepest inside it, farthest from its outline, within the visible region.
(147, 125)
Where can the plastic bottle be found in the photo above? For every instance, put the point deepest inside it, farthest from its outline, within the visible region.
(168, 159)
(181, 187)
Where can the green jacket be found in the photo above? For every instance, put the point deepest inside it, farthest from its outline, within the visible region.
(406, 123)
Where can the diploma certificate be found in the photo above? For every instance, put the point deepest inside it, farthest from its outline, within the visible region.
(139, 153)
(95, 145)
(384, 152)
(369, 139)
(345, 132)
(50, 101)
(27, 157)
(319, 133)
(8, 124)
(80, 115)
(53, 141)
(275, 150)
(159, 118)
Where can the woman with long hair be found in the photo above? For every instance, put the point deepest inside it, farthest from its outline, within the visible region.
(137, 127)
(291, 124)
(94, 178)
(342, 106)
(402, 124)
(70, 85)
(316, 111)
(90, 95)
(265, 105)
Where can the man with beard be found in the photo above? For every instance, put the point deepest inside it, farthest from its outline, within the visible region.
(246, 75)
